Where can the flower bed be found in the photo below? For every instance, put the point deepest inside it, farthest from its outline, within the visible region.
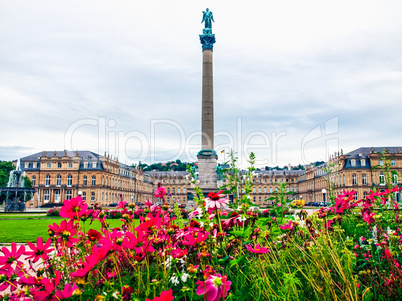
(349, 251)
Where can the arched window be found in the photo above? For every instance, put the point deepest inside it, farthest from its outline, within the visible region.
(47, 181)
(58, 180)
(178, 190)
(84, 181)
(69, 182)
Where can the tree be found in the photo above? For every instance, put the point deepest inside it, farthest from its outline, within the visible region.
(5, 168)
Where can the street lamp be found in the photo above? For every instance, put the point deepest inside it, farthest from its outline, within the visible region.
(324, 191)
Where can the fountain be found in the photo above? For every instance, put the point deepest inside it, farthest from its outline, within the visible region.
(16, 192)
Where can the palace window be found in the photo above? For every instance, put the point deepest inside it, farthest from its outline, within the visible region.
(382, 179)
(84, 181)
(270, 189)
(84, 196)
(94, 164)
(85, 164)
(354, 179)
(353, 162)
(58, 165)
(92, 196)
(393, 162)
(394, 179)
(35, 165)
(381, 162)
(58, 180)
(173, 190)
(46, 195)
(69, 181)
(259, 189)
(356, 196)
(26, 165)
(47, 181)
(68, 194)
(57, 195)
(49, 165)
(363, 162)
(265, 189)
(253, 189)
(184, 189)
(70, 165)
(33, 180)
(93, 180)
(178, 190)
(364, 179)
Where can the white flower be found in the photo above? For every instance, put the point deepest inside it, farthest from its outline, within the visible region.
(168, 261)
(242, 218)
(174, 279)
(184, 277)
(211, 224)
(116, 295)
(202, 224)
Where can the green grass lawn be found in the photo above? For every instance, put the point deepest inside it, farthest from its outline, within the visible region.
(22, 231)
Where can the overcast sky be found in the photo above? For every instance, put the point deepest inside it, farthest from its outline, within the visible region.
(293, 80)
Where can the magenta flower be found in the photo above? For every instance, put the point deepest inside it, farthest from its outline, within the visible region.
(67, 292)
(121, 204)
(160, 193)
(165, 296)
(257, 249)
(40, 250)
(74, 208)
(214, 287)
(148, 203)
(12, 256)
(288, 226)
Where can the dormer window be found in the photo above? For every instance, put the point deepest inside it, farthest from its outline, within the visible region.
(85, 164)
(35, 165)
(363, 162)
(93, 164)
(353, 162)
(26, 165)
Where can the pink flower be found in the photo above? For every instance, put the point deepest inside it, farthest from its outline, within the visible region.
(160, 193)
(148, 203)
(98, 254)
(122, 204)
(40, 250)
(257, 249)
(67, 292)
(216, 200)
(74, 208)
(196, 212)
(214, 287)
(12, 256)
(288, 226)
(279, 204)
(165, 296)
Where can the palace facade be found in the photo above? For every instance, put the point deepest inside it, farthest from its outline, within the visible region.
(103, 180)
(359, 170)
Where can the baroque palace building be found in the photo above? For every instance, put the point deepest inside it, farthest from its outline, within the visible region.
(103, 180)
(359, 170)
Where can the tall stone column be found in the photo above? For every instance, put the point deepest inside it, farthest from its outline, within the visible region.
(207, 157)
